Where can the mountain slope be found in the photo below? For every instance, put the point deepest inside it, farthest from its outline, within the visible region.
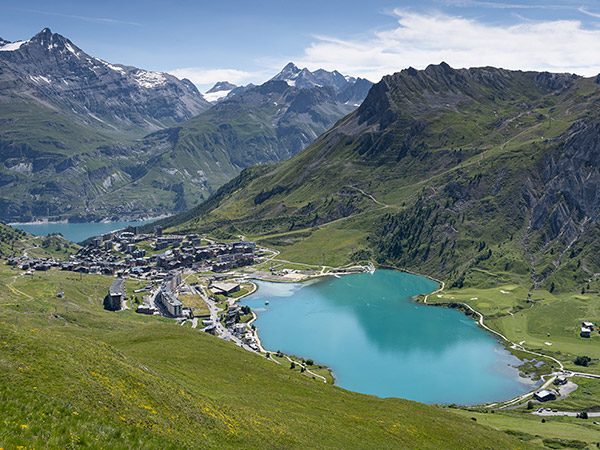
(256, 125)
(67, 124)
(72, 125)
(455, 173)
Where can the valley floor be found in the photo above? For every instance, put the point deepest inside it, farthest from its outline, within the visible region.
(29, 307)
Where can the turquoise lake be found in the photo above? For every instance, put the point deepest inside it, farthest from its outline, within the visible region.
(377, 341)
(76, 232)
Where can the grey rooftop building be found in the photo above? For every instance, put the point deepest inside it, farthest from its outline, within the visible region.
(116, 294)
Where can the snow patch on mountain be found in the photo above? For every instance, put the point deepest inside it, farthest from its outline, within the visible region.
(214, 97)
(149, 80)
(71, 49)
(12, 46)
(38, 79)
(113, 67)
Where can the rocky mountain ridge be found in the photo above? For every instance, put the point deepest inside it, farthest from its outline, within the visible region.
(48, 69)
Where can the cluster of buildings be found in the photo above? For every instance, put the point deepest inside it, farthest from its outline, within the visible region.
(237, 328)
(220, 257)
(120, 253)
(544, 395)
(165, 298)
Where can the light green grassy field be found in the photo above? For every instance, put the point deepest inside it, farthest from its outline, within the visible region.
(75, 376)
(555, 432)
(549, 323)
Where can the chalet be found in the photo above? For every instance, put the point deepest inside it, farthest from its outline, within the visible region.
(545, 395)
(225, 258)
(239, 329)
(222, 267)
(173, 239)
(126, 235)
(140, 253)
(159, 245)
(244, 244)
(131, 229)
(585, 332)
(560, 381)
(147, 307)
(188, 313)
(42, 266)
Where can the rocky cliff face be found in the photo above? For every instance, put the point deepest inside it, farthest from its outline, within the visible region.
(570, 199)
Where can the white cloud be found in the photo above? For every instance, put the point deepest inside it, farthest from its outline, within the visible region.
(423, 39)
(495, 5)
(84, 18)
(584, 11)
(206, 78)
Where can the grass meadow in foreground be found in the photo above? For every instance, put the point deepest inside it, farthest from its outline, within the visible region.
(75, 376)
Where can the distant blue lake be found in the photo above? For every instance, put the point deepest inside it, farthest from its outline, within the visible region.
(377, 341)
(76, 232)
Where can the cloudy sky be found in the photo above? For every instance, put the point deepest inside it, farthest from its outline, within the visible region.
(242, 41)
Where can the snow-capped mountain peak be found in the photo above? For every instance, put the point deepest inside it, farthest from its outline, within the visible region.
(62, 74)
(219, 91)
(221, 86)
(304, 78)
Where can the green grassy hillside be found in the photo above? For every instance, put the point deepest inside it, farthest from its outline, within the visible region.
(15, 242)
(75, 376)
(456, 173)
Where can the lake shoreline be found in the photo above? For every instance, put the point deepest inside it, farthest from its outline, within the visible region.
(121, 219)
(77, 231)
(319, 358)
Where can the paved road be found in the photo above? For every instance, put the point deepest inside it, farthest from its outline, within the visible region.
(569, 373)
(544, 412)
(221, 331)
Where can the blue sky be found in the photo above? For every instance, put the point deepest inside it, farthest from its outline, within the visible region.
(243, 41)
